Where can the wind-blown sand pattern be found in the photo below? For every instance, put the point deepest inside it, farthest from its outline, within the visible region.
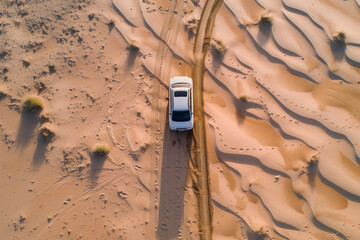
(303, 101)
(282, 107)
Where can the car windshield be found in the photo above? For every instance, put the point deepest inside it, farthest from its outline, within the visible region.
(181, 116)
(181, 94)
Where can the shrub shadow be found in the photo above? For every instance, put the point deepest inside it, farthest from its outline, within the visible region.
(132, 56)
(338, 50)
(111, 26)
(2, 96)
(242, 109)
(264, 34)
(39, 154)
(29, 120)
(191, 34)
(97, 163)
(312, 169)
(217, 58)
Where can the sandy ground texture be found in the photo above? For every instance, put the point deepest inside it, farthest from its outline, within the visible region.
(282, 106)
(82, 59)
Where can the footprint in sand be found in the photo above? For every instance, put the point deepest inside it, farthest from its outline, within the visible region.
(122, 195)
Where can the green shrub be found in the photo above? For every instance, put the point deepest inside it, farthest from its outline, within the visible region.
(101, 150)
(33, 104)
(260, 233)
(244, 98)
(132, 46)
(265, 20)
(313, 160)
(339, 39)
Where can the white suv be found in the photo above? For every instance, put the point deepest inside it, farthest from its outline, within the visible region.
(181, 103)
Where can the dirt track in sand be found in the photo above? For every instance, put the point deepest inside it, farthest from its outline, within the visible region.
(169, 169)
(199, 159)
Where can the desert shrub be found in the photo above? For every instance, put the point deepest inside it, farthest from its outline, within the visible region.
(191, 26)
(91, 16)
(265, 20)
(40, 86)
(244, 98)
(46, 133)
(111, 23)
(44, 117)
(132, 46)
(219, 47)
(339, 39)
(2, 94)
(313, 160)
(33, 104)
(260, 233)
(26, 64)
(52, 69)
(101, 150)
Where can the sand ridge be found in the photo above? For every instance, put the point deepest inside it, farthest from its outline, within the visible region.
(269, 133)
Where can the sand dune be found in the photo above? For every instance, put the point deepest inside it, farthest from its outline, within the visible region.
(293, 114)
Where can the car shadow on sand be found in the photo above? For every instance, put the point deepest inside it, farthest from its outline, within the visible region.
(174, 172)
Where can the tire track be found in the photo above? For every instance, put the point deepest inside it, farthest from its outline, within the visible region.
(169, 33)
(202, 41)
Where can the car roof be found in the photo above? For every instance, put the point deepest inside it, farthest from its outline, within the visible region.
(181, 103)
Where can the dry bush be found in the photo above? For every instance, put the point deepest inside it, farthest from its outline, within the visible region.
(101, 150)
(265, 20)
(111, 23)
(46, 133)
(33, 104)
(339, 39)
(260, 233)
(91, 16)
(40, 86)
(244, 98)
(191, 26)
(218, 47)
(132, 46)
(44, 118)
(313, 161)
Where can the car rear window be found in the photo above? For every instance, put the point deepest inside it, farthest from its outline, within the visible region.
(180, 93)
(181, 116)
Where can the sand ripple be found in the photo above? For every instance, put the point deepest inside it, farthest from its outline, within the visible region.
(303, 105)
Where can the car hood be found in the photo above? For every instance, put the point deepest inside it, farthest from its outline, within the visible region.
(180, 125)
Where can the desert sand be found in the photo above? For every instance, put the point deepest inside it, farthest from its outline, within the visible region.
(282, 116)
